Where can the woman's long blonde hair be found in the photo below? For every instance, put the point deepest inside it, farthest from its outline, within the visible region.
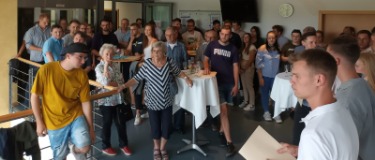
(368, 60)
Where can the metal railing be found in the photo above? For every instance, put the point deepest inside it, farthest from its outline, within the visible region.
(21, 106)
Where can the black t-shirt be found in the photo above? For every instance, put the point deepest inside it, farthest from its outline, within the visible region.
(137, 45)
(99, 39)
(286, 51)
(236, 40)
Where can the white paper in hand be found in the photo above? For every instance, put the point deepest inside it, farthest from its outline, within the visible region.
(262, 146)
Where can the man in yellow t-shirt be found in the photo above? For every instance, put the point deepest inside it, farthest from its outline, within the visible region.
(66, 111)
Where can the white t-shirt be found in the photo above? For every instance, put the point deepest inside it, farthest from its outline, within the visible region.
(330, 134)
(192, 39)
(246, 57)
(147, 52)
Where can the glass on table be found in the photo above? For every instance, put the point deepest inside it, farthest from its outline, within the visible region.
(185, 65)
(198, 66)
(286, 68)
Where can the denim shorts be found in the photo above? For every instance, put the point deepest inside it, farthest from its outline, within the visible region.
(225, 93)
(76, 132)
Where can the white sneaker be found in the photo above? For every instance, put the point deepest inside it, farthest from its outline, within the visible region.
(249, 107)
(243, 104)
(77, 156)
(278, 119)
(133, 107)
(267, 116)
(137, 120)
(145, 115)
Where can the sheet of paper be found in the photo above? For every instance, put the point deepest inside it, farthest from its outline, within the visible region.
(262, 146)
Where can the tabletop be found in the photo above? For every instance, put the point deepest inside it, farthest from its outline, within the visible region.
(126, 58)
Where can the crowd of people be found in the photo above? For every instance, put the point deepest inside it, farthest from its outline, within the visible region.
(337, 123)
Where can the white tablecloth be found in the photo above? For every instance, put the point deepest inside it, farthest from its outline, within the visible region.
(195, 99)
(282, 93)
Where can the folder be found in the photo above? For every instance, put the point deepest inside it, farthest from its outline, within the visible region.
(262, 146)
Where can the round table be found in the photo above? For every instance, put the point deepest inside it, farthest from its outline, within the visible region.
(204, 92)
(282, 93)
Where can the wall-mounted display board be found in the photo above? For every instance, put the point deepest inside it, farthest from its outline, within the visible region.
(203, 18)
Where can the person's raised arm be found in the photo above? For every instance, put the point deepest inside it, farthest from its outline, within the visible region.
(129, 83)
(128, 50)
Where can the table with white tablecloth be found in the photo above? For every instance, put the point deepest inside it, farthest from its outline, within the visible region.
(282, 93)
(204, 92)
(194, 99)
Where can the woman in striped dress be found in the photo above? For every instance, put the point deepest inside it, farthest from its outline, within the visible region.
(158, 71)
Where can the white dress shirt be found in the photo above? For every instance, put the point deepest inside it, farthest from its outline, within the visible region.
(330, 134)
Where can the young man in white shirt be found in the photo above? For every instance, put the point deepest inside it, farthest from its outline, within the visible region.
(330, 132)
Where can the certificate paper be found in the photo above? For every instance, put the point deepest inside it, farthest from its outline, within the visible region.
(262, 146)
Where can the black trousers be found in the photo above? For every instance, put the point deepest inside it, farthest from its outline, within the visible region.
(179, 120)
(300, 112)
(160, 122)
(109, 115)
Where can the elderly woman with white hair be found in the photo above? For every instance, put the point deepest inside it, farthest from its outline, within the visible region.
(108, 73)
(159, 72)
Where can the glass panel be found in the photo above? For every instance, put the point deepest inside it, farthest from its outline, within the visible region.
(160, 13)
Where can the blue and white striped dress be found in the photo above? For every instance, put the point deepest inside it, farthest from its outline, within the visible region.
(157, 94)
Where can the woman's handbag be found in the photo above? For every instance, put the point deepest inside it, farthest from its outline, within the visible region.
(124, 113)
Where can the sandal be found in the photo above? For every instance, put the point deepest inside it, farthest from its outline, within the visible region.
(164, 155)
(157, 155)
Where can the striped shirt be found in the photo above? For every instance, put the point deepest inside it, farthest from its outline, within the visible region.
(157, 95)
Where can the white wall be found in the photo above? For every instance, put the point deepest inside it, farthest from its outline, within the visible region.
(132, 11)
(306, 12)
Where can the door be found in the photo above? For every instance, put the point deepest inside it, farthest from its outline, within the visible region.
(161, 13)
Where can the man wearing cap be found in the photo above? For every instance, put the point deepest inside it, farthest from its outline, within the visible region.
(66, 113)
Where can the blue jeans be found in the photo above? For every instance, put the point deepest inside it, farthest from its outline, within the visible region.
(77, 132)
(225, 93)
(265, 91)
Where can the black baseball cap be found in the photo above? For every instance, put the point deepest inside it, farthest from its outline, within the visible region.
(75, 47)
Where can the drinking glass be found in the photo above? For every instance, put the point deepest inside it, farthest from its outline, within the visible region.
(286, 68)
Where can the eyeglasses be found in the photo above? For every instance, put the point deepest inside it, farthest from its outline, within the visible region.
(80, 58)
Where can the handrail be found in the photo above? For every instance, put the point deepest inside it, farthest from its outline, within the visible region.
(17, 115)
(91, 82)
(102, 95)
(29, 112)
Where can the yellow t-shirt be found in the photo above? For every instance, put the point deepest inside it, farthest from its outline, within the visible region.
(63, 93)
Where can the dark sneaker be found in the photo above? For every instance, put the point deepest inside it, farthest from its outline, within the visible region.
(230, 150)
(223, 140)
